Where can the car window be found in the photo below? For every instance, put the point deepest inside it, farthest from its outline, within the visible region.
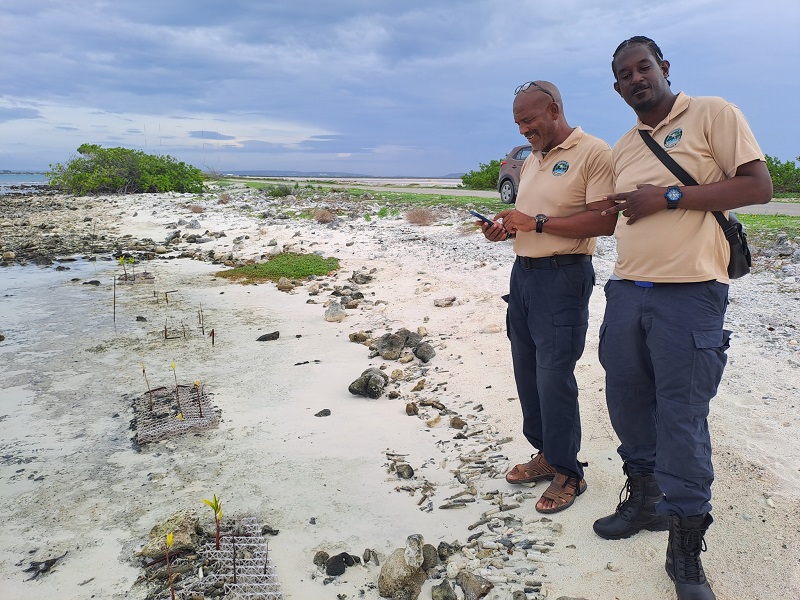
(523, 154)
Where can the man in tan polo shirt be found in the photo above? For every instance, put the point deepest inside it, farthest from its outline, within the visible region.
(562, 189)
(662, 341)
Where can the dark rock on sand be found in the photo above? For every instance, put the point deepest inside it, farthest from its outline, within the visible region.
(390, 345)
(325, 412)
(370, 384)
(474, 586)
(268, 337)
(424, 352)
(397, 577)
(443, 591)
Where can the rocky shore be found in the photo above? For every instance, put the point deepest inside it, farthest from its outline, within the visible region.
(367, 418)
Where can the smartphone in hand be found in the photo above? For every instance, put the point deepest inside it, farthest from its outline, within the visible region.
(483, 218)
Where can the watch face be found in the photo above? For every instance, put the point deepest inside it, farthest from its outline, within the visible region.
(674, 194)
(541, 218)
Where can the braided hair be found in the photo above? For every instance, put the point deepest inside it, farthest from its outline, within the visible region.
(644, 41)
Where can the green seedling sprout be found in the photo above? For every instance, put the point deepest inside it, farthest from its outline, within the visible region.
(121, 261)
(216, 506)
(169, 569)
(149, 391)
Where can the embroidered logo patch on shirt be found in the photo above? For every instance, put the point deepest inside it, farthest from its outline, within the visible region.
(673, 137)
(560, 168)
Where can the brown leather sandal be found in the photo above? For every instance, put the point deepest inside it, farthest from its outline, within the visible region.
(562, 491)
(535, 469)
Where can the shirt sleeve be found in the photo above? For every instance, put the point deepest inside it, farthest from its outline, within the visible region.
(599, 176)
(732, 142)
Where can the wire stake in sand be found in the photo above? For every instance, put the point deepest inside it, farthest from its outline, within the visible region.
(199, 395)
(177, 393)
(149, 391)
(212, 337)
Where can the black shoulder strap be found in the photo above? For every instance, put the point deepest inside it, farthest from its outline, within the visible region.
(679, 172)
(665, 158)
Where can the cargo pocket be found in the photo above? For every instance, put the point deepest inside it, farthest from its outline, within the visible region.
(708, 363)
(569, 327)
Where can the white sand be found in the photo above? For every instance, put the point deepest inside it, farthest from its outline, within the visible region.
(71, 480)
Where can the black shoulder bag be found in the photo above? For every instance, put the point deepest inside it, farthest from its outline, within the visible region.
(740, 261)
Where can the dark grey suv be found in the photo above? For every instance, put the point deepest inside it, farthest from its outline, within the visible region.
(508, 181)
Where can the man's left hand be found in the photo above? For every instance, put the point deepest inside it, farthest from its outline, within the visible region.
(645, 200)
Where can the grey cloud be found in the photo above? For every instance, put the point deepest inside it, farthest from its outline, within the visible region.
(17, 113)
(210, 135)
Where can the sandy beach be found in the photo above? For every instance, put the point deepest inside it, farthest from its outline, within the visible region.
(73, 479)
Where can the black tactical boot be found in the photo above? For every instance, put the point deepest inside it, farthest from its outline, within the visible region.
(686, 541)
(636, 511)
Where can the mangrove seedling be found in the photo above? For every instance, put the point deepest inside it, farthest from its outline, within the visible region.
(169, 569)
(216, 506)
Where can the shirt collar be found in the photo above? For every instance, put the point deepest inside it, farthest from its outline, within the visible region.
(681, 104)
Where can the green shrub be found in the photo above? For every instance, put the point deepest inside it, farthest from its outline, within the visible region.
(785, 175)
(277, 191)
(485, 178)
(121, 170)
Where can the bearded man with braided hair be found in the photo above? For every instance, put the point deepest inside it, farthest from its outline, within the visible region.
(662, 342)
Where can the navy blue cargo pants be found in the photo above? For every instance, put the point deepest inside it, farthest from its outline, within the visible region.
(547, 319)
(663, 350)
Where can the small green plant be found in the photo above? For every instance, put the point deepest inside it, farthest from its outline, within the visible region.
(367, 217)
(169, 568)
(216, 506)
(287, 264)
(129, 260)
(383, 212)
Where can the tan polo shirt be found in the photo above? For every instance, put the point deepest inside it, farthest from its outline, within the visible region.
(710, 138)
(575, 173)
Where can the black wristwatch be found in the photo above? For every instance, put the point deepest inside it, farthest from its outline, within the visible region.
(540, 220)
(673, 196)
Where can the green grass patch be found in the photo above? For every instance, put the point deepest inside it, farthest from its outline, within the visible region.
(762, 230)
(288, 264)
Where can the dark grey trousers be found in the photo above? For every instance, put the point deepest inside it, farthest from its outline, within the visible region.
(547, 319)
(663, 350)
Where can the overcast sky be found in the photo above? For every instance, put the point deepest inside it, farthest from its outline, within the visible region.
(376, 87)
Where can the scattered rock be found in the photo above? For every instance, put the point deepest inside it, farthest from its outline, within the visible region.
(430, 558)
(443, 591)
(404, 471)
(335, 313)
(397, 576)
(141, 319)
(424, 352)
(413, 551)
(412, 409)
(320, 558)
(359, 337)
(389, 346)
(474, 586)
(325, 412)
(336, 564)
(285, 285)
(370, 384)
(444, 302)
(268, 337)
(186, 534)
(457, 423)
